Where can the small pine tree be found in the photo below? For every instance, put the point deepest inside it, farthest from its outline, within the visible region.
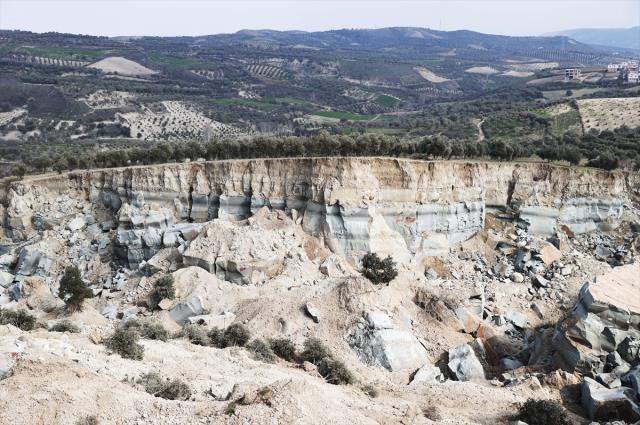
(377, 270)
(73, 290)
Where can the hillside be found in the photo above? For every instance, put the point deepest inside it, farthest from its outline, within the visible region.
(71, 100)
(628, 38)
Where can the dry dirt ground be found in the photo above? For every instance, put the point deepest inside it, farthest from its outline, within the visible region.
(484, 70)
(429, 75)
(122, 66)
(519, 74)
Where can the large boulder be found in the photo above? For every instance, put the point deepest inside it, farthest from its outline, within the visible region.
(379, 342)
(632, 380)
(197, 293)
(37, 295)
(32, 261)
(606, 404)
(464, 364)
(427, 374)
(606, 314)
(6, 279)
(191, 306)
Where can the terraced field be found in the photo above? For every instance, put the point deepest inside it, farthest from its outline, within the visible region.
(609, 113)
(267, 71)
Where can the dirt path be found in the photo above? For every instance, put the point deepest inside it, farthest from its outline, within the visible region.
(480, 132)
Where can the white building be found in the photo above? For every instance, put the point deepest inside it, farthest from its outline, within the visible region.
(572, 74)
(612, 67)
(633, 77)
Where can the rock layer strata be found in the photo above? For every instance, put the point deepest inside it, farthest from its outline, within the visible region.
(406, 208)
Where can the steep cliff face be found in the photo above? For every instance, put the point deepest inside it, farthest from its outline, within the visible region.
(403, 207)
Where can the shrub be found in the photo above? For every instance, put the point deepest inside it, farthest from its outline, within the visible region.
(21, 319)
(175, 389)
(314, 351)
(370, 390)
(431, 412)
(377, 270)
(124, 341)
(261, 351)
(64, 326)
(87, 420)
(605, 160)
(231, 408)
(233, 335)
(73, 290)
(236, 335)
(215, 337)
(283, 348)
(162, 288)
(543, 412)
(195, 334)
(335, 372)
(148, 329)
(265, 395)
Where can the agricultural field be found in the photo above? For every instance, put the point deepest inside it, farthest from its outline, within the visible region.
(609, 113)
(349, 116)
(429, 75)
(387, 100)
(574, 94)
(177, 122)
(248, 102)
(173, 60)
(267, 71)
(104, 99)
(483, 70)
(518, 74)
(209, 74)
(7, 117)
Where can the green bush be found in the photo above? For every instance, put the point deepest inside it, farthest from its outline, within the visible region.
(21, 319)
(65, 326)
(124, 341)
(162, 288)
(283, 348)
(335, 372)
(543, 412)
(195, 334)
(73, 290)
(215, 337)
(148, 329)
(234, 335)
(261, 351)
(314, 351)
(175, 389)
(377, 270)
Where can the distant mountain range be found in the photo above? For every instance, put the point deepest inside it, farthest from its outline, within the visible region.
(628, 38)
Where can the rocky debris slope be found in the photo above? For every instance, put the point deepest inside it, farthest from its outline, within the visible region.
(470, 320)
(601, 340)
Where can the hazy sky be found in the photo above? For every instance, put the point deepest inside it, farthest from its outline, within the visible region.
(197, 17)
